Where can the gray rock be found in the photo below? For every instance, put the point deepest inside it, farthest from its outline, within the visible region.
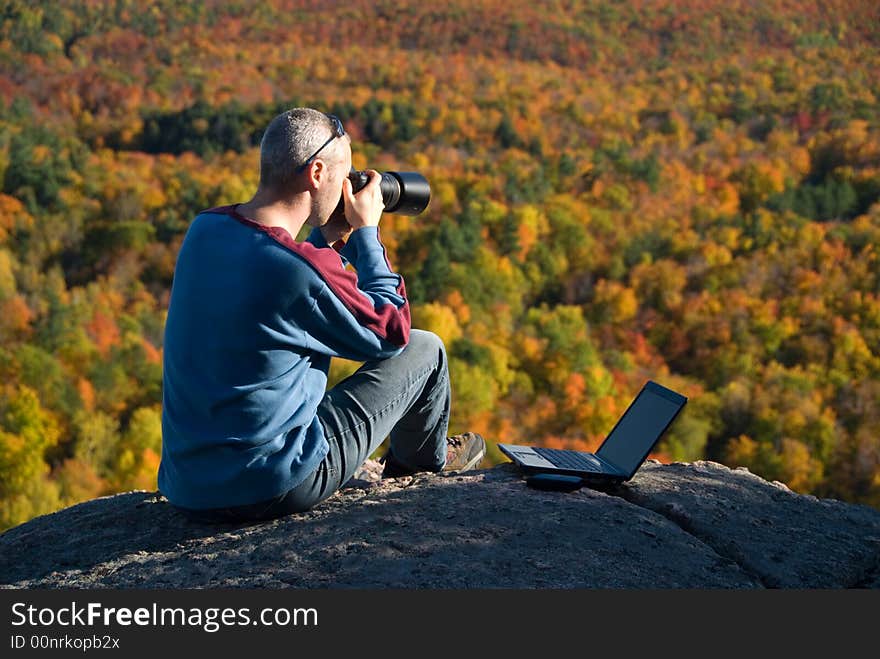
(673, 526)
(782, 539)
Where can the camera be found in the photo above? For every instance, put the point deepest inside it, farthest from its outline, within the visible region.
(406, 193)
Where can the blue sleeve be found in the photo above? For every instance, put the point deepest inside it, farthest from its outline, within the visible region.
(376, 280)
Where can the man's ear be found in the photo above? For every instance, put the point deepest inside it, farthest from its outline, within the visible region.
(317, 173)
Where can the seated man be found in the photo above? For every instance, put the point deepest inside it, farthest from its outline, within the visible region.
(248, 430)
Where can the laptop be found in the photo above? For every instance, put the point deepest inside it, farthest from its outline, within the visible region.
(624, 450)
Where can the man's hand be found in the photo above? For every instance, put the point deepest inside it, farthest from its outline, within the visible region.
(364, 209)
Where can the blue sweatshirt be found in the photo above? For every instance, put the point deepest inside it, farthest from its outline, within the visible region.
(253, 321)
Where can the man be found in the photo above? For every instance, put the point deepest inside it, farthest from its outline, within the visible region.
(249, 431)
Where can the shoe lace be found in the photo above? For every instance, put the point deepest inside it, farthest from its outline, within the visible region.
(453, 445)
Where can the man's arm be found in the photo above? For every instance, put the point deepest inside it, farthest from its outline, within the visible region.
(364, 316)
(359, 316)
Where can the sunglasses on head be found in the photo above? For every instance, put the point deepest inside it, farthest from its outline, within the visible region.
(338, 131)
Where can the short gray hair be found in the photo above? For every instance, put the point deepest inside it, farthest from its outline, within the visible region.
(289, 140)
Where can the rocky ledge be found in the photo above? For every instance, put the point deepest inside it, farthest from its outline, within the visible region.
(695, 525)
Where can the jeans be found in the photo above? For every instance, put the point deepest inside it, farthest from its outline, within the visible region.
(405, 397)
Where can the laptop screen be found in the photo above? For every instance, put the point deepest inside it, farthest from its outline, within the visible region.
(640, 427)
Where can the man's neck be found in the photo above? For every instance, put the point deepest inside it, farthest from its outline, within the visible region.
(290, 215)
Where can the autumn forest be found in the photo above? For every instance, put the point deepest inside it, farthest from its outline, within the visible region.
(679, 190)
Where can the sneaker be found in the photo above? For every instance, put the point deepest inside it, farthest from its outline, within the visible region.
(464, 452)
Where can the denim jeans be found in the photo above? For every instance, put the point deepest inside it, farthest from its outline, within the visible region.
(406, 397)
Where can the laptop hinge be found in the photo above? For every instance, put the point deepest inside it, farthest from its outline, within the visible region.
(613, 466)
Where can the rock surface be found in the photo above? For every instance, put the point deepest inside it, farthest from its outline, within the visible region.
(698, 525)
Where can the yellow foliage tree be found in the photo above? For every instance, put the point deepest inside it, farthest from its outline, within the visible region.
(26, 432)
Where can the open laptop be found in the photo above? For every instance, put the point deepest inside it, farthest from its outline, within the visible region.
(624, 450)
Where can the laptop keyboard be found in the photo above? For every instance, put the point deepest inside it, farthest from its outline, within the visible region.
(566, 459)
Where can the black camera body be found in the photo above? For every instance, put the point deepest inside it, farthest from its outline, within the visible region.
(406, 193)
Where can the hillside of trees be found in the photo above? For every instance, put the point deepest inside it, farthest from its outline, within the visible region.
(660, 189)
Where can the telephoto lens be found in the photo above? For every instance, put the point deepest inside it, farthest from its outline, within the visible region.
(406, 193)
